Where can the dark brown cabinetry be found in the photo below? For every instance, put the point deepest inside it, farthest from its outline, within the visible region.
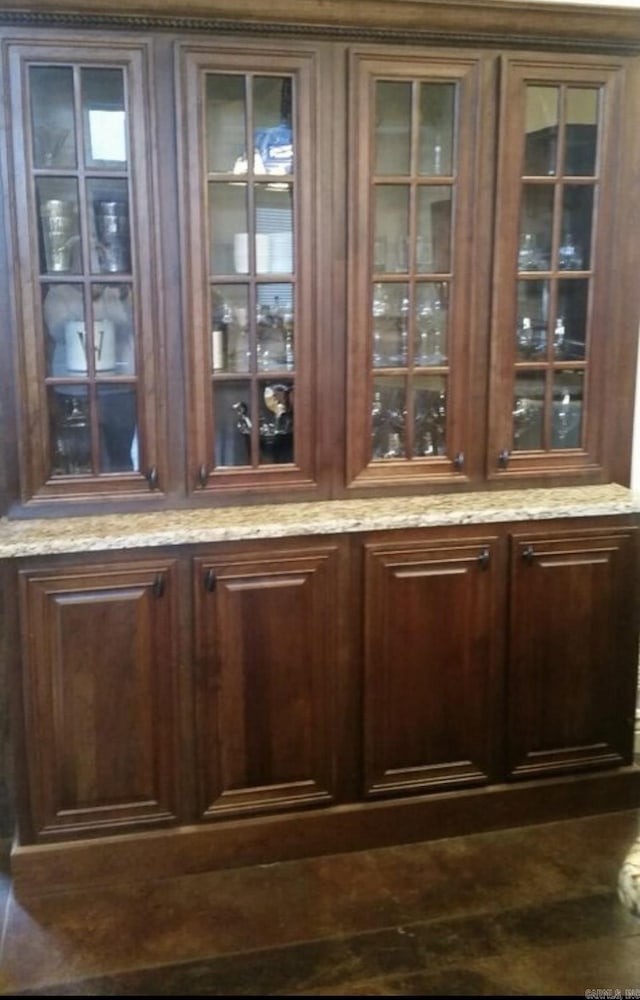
(266, 626)
(572, 604)
(88, 351)
(322, 680)
(323, 252)
(432, 666)
(100, 675)
(393, 266)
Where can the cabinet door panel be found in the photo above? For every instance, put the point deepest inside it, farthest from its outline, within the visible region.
(573, 653)
(251, 142)
(88, 345)
(556, 325)
(266, 650)
(416, 164)
(430, 665)
(100, 654)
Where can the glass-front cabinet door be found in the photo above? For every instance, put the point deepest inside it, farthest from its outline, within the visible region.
(413, 243)
(87, 342)
(554, 316)
(248, 190)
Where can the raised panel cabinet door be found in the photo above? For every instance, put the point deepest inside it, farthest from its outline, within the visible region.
(431, 665)
(561, 324)
(266, 648)
(417, 261)
(88, 346)
(573, 651)
(99, 694)
(251, 153)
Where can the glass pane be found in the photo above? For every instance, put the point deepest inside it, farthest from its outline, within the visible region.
(390, 325)
(274, 229)
(430, 415)
(62, 310)
(436, 137)
(104, 118)
(232, 423)
(273, 135)
(528, 411)
(433, 229)
(541, 140)
(392, 225)
(388, 410)
(70, 430)
(274, 327)
(52, 116)
(228, 228)
(533, 318)
(113, 329)
(574, 253)
(276, 422)
(230, 351)
(117, 424)
(393, 128)
(108, 203)
(582, 131)
(568, 390)
(226, 123)
(432, 316)
(571, 323)
(536, 222)
(59, 225)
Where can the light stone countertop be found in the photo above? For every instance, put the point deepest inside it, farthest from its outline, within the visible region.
(100, 533)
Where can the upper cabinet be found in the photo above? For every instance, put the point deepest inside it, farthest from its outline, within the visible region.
(557, 253)
(88, 350)
(371, 267)
(250, 154)
(413, 198)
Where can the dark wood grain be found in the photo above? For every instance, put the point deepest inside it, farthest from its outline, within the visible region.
(98, 648)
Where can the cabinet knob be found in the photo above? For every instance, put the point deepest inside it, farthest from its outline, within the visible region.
(484, 558)
(528, 554)
(209, 581)
(152, 478)
(203, 476)
(503, 458)
(458, 461)
(158, 585)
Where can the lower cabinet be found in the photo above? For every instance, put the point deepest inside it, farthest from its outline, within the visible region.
(99, 692)
(266, 650)
(432, 669)
(311, 694)
(573, 651)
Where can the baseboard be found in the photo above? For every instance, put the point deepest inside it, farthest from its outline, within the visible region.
(329, 830)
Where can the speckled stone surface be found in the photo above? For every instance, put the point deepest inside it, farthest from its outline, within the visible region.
(183, 527)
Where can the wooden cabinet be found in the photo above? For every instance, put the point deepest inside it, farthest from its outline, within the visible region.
(418, 254)
(432, 663)
(268, 699)
(571, 686)
(319, 252)
(88, 352)
(100, 687)
(379, 267)
(252, 224)
(267, 651)
(558, 240)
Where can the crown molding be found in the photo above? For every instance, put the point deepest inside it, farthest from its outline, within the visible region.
(527, 22)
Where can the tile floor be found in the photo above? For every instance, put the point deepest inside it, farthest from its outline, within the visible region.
(526, 911)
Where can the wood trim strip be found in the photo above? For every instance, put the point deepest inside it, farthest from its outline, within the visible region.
(491, 22)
